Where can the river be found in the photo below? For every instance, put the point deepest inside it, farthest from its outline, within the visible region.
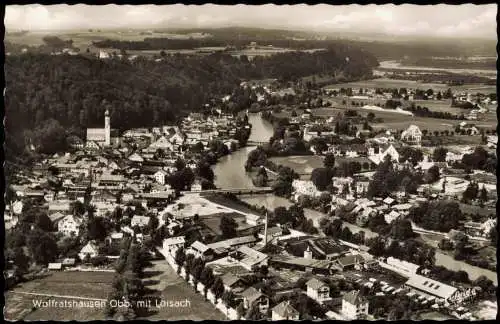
(230, 173)
(396, 65)
(230, 170)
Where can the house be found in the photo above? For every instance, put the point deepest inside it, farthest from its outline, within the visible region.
(136, 158)
(354, 306)
(378, 154)
(250, 258)
(349, 262)
(68, 262)
(234, 242)
(231, 281)
(390, 217)
(252, 219)
(200, 250)
(412, 135)
(402, 267)
(173, 243)
(140, 221)
(431, 288)
(90, 250)
(196, 186)
(161, 144)
(69, 225)
(305, 187)
(160, 176)
(318, 290)
(284, 311)
(54, 266)
(176, 139)
(253, 296)
(62, 206)
(492, 141)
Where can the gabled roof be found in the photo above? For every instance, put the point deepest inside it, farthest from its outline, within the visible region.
(252, 294)
(197, 245)
(354, 298)
(285, 310)
(350, 260)
(315, 284)
(229, 279)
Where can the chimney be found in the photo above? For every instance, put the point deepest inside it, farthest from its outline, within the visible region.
(265, 231)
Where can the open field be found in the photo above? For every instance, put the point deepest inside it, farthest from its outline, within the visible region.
(434, 316)
(78, 284)
(213, 222)
(21, 307)
(396, 83)
(300, 164)
(229, 203)
(82, 284)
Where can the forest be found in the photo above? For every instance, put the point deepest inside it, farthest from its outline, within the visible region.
(74, 91)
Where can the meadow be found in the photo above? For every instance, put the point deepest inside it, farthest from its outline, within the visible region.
(301, 164)
(66, 283)
(396, 83)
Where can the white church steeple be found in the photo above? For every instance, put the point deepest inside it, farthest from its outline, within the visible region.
(107, 128)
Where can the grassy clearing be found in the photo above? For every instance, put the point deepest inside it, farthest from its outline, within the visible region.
(301, 164)
(229, 203)
(81, 284)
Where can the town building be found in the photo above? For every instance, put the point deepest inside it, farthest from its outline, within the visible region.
(354, 306)
(318, 290)
(284, 312)
(412, 135)
(252, 296)
(69, 225)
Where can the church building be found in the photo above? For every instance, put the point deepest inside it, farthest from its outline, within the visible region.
(101, 137)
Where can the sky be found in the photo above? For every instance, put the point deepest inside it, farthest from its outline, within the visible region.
(476, 21)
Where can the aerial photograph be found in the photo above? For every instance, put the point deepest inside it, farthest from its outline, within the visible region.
(250, 162)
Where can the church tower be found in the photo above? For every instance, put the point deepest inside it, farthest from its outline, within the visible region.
(107, 129)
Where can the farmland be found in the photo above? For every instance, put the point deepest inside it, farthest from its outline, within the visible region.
(79, 284)
(395, 83)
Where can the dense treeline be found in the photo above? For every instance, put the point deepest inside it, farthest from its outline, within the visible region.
(238, 38)
(76, 90)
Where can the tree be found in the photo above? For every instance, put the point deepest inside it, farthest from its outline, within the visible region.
(240, 310)
(401, 229)
(253, 313)
(329, 161)
(263, 271)
(228, 298)
(42, 246)
(228, 226)
(483, 195)
(180, 257)
(21, 261)
(432, 175)
(471, 192)
(439, 154)
(218, 288)
(321, 178)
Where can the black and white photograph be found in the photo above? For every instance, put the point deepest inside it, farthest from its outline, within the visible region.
(250, 162)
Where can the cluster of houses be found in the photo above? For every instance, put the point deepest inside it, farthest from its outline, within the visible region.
(110, 171)
(317, 259)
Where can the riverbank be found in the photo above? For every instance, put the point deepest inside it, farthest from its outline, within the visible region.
(230, 173)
